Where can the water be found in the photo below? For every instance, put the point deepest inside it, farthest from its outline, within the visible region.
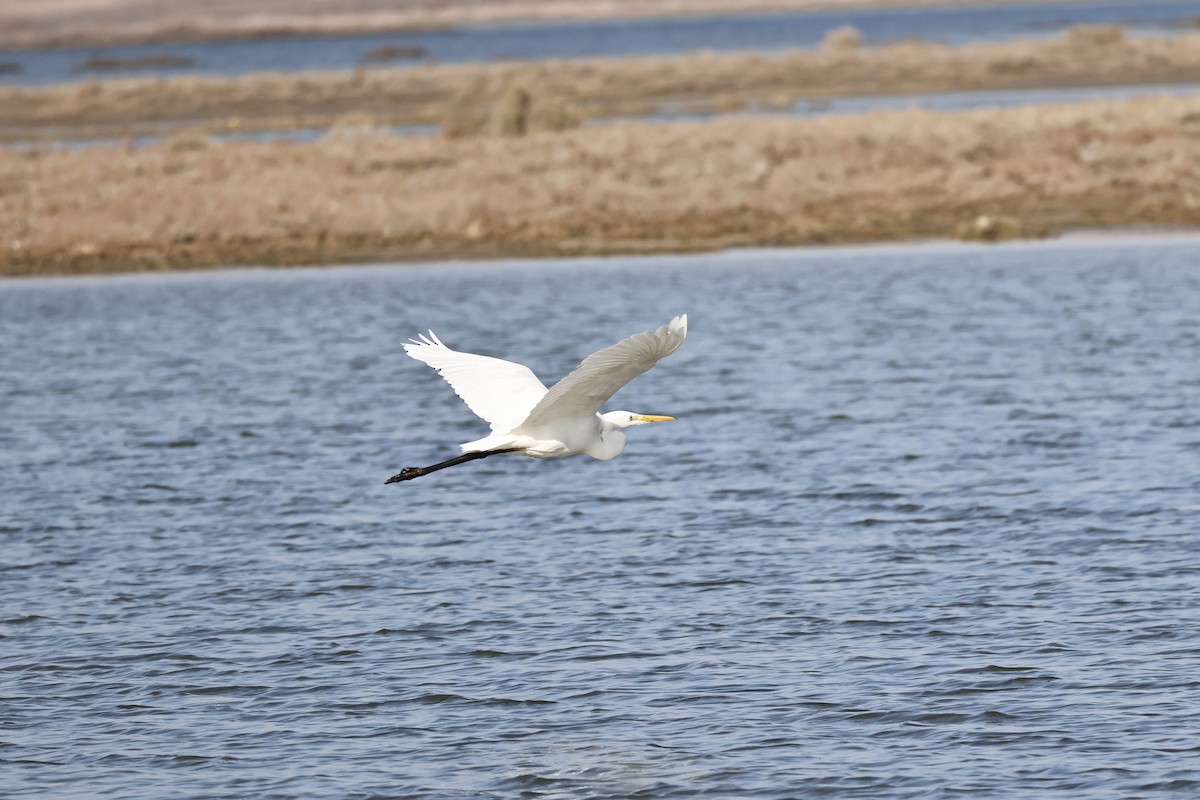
(615, 38)
(933, 101)
(939, 101)
(992, 98)
(926, 527)
(56, 136)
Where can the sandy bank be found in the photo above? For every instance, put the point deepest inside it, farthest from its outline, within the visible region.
(466, 98)
(625, 187)
(77, 23)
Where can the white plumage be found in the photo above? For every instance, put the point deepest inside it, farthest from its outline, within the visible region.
(528, 419)
(499, 392)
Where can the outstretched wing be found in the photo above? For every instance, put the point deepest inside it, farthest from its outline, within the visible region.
(498, 391)
(584, 391)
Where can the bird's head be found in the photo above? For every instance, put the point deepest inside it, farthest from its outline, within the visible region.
(627, 419)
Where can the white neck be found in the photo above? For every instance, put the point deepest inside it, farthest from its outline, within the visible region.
(612, 442)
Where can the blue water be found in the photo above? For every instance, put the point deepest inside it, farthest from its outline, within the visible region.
(926, 527)
(761, 32)
(941, 101)
(935, 101)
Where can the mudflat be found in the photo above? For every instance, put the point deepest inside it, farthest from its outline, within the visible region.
(361, 193)
(515, 171)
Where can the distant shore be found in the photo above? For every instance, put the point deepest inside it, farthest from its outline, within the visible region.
(547, 159)
(88, 23)
(360, 194)
(482, 99)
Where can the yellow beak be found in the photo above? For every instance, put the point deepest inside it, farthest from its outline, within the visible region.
(654, 418)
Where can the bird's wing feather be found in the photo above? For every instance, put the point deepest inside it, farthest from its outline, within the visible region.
(601, 374)
(498, 391)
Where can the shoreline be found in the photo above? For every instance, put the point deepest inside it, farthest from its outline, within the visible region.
(474, 99)
(623, 188)
(26, 25)
(1117, 236)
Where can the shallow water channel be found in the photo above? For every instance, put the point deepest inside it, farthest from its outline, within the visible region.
(764, 32)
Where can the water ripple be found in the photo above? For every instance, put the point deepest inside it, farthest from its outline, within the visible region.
(924, 528)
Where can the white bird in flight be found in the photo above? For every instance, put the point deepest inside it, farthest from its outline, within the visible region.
(530, 420)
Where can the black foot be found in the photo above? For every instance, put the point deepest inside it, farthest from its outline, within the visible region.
(406, 474)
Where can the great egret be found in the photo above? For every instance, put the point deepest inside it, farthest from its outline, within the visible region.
(529, 420)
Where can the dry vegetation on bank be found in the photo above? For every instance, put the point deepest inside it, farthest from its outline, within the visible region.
(623, 187)
(76, 23)
(463, 97)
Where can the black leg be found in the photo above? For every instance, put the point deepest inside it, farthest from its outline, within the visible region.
(408, 473)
